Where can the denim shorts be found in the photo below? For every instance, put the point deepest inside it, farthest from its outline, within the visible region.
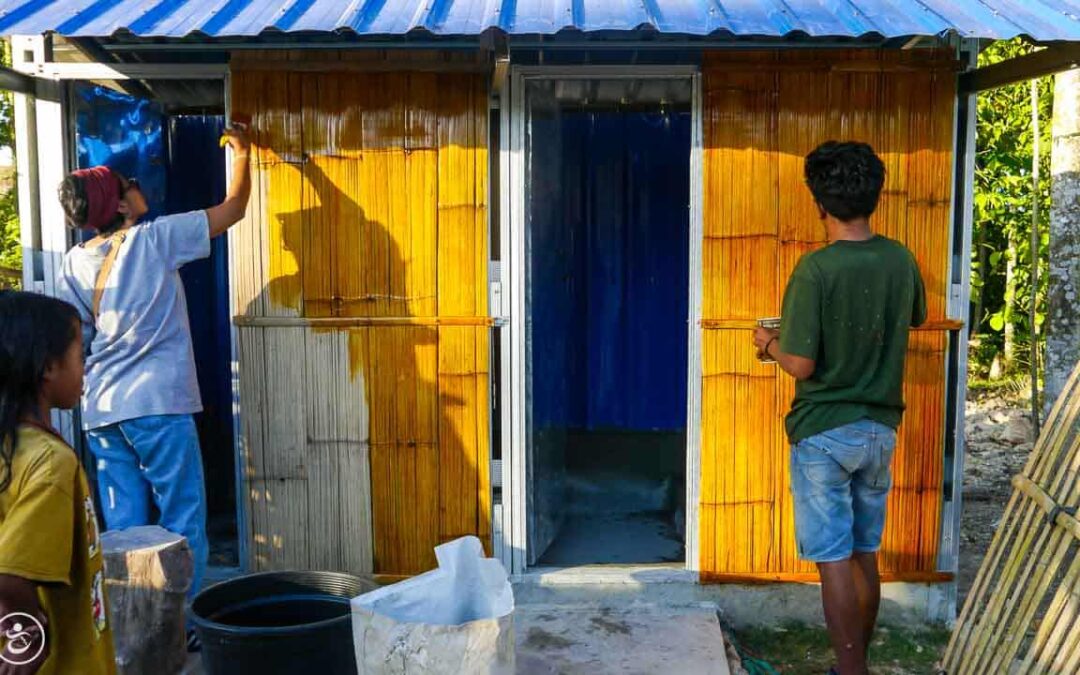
(840, 480)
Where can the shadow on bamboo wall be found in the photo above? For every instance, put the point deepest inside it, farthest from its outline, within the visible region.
(763, 112)
(364, 340)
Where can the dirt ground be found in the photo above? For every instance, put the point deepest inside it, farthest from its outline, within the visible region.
(999, 439)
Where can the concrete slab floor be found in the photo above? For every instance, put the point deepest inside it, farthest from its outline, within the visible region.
(554, 640)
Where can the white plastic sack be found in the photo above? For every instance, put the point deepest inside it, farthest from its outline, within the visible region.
(455, 620)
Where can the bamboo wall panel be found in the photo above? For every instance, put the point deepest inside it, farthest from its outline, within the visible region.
(366, 445)
(763, 112)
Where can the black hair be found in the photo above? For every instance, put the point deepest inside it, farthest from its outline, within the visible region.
(845, 178)
(73, 200)
(35, 332)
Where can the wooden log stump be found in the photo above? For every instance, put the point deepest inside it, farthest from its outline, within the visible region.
(148, 571)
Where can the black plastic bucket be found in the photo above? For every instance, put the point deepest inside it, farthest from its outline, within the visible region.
(278, 622)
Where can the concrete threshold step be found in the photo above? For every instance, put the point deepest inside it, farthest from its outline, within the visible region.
(639, 575)
(575, 640)
(658, 586)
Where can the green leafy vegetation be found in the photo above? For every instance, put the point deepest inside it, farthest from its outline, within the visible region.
(796, 648)
(10, 248)
(1002, 293)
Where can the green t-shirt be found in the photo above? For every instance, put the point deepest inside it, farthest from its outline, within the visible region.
(848, 307)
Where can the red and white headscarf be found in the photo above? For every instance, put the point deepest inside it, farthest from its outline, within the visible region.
(102, 186)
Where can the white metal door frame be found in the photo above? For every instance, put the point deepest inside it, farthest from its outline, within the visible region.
(516, 376)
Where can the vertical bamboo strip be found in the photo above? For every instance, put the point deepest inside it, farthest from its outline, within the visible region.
(281, 167)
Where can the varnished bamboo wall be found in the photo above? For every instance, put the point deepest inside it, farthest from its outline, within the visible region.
(360, 274)
(763, 112)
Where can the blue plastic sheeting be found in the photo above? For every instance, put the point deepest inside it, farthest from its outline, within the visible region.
(125, 134)
(610, 270)
(1041, 19)
(197, 181)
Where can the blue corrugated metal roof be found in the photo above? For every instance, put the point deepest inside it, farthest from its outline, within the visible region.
(1040, 19)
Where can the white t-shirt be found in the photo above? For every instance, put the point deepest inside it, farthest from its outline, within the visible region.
(140, 361)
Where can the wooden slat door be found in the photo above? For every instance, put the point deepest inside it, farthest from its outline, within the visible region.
(762, 113)
(360, 274)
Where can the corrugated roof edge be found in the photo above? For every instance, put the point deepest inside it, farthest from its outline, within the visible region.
(1042, 20)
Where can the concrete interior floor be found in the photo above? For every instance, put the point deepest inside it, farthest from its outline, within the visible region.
(622, 500)
(616, 538)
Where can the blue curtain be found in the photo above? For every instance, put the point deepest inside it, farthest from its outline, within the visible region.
(610, 194)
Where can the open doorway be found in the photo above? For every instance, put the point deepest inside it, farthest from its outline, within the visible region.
(608, 221)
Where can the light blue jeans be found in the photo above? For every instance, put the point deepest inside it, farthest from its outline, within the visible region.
(840, 480)
(157, 458)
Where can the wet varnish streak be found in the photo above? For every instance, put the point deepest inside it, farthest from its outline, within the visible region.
(371, 209)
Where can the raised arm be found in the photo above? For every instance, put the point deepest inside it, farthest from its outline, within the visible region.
(229, 212)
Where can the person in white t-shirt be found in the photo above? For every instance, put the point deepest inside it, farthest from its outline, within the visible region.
(141, 388)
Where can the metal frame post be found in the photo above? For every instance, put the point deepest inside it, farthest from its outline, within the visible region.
(239, 465)
(42, 147)
(694, 366)
(516, 460)
(958, 306)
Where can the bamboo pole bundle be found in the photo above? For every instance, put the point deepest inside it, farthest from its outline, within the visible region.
(1021, 614)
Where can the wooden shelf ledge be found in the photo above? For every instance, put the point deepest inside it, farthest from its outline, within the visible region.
(750, 324)
(359, 321)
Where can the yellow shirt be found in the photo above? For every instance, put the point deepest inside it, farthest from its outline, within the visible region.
(49, 534)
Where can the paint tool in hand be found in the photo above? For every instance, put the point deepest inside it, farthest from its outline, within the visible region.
(239, 122)
(772, 323)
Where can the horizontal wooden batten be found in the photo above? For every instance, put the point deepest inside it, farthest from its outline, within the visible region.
(913, 577)
(359, 321)
(334, 66)
(750, 324)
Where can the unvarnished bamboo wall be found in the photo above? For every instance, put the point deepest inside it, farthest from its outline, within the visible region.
(763, 112)
(360, 275)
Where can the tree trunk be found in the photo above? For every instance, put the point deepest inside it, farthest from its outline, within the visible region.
(1033, 306)
(1063, 321)
(977, 311)
(1010, 304)
(147, 573)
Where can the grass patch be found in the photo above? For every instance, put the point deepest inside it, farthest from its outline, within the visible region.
(797, 648)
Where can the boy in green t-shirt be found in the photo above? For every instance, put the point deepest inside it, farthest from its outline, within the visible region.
(843, 336)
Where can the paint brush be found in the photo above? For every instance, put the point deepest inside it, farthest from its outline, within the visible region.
(239, 122)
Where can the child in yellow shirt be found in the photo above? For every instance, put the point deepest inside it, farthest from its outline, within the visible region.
(53, 616)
